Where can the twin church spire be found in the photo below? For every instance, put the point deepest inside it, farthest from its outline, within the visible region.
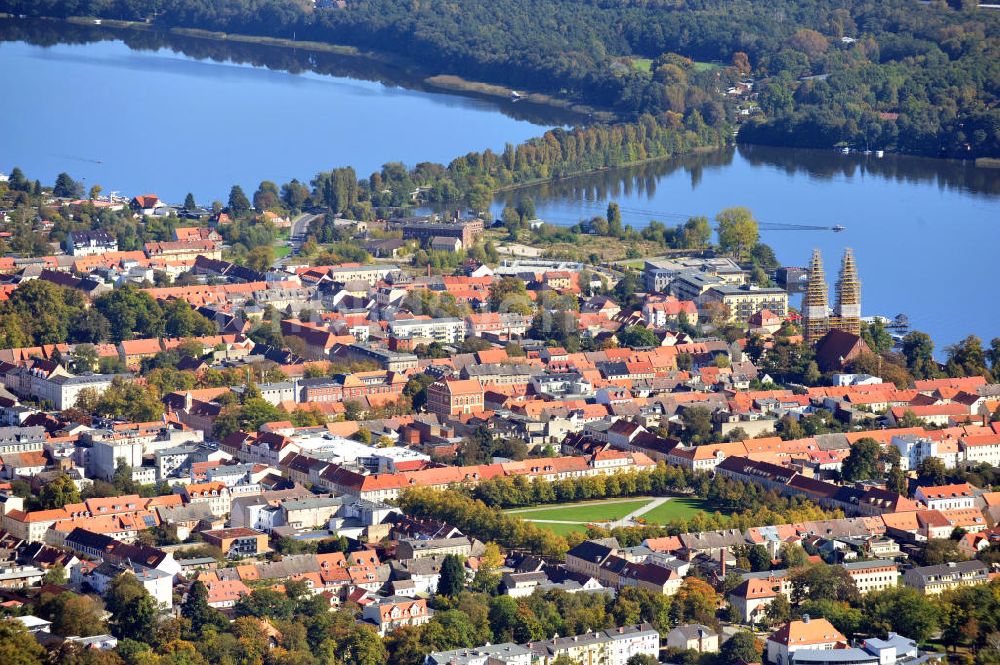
(816, 317)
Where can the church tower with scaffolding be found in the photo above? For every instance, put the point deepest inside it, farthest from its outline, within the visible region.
(817, 320)
(815, 311)
(847, 313)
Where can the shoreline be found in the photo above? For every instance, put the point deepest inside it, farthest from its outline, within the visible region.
(651, 160)
(454, 83)
(337, 49)
(441, 82)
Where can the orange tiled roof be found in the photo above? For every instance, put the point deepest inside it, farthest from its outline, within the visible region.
(969, 383)
(133, 347)
(225, 590)
(947, 491)
(805, 633)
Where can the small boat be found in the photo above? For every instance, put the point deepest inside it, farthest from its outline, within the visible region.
(845, 150)
(515, 95)
(880, 153)
(868, 152)
(838, 228)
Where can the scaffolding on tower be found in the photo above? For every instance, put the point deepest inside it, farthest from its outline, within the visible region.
(847, 314)
(815, 304)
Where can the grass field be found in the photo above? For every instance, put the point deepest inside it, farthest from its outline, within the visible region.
(281, 251)
(646, 64)
(705, 66)
(598, 511)
(642, 64)
(565, 519)
(562, 529)
(680, 508)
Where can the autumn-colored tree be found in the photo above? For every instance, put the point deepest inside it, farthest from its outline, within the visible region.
(695, 602)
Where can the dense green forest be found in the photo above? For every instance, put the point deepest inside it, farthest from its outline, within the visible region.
(892, 75)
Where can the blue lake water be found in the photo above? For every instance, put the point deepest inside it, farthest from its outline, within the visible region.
(162, 122)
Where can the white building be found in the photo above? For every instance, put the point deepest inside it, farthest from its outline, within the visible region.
(915, 449)
(159, 584)
(749, 601)
(34, 624)
(388, 614)
(873, 651)
(90, 243)
(981, 449)
(498, 654)
(63, 391)
(21, 439)
(105, 454)
(368, 273)
(215, 494)
(613, 646)
(443, 331)
(932, 580)
(947, 497)
(856, 380)
(608, 647)
(873, 575)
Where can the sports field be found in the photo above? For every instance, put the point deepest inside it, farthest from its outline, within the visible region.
(566, 518)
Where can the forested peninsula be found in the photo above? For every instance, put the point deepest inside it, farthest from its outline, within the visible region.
(890, 75)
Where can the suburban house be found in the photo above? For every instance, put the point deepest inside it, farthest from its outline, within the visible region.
(148, 204)
(811, 634)
(694, 636)
(748, 602)
(225, 593)
(388, 614)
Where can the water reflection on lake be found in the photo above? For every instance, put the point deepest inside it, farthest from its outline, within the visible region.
(925, 231)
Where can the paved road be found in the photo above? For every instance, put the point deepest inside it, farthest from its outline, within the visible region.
(300, 225)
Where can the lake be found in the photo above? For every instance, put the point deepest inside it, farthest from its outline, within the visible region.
(925, 232)
(138, 112)
(143, 112)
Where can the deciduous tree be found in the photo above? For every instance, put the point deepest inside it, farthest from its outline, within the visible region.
(743, 647)
(918, 349)
(738, 231)
(17, 645)
(133, 610)
(901, 610)
(862, 462)
(59, 492)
